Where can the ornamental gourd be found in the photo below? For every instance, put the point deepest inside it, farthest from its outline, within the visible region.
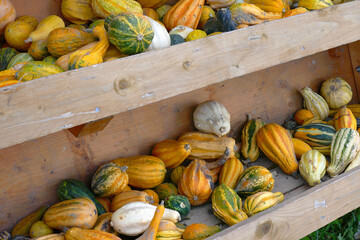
(249, 148)
(5, 56)
(151, 13)
(295, 11)
(181, 30)
(77, 11)
(344, 147)
(77, 212)
(45, 27)
(195, 35)
(124, 198)
(274, 6)
(254, 179)
(222, 22)
(92, 56)
(178, 203)
(168, 230)
(217, 4)
(261, 201)
(315, 103)
(226, 205)
(16, 33)
(336, 91)
(315, 4)
(62, 41)
(38, 50)
(154, 195)
(208, 146)
(315, 134)
(152, 229)
(109, 180)
(165, 190)
(231, 172)
(196, 183)
(244, 13)
(312, 167)
(56, 236)
(276, 143)
(22, 228)
(103, 223)
(76, 233)
(176, 174)
(37, 69)
(172, 152)
(300, 147)
(344, 118)
(206, 13)
(19, 58)
(161, 36)
(7, 14)
(301, 115)
(184, 12)
(197, 231)
(144, 171)
(105, 8)
(130, 33)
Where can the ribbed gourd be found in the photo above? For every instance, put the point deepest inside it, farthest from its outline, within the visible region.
(168, 230)
(178, 203)
(315, 134)
(344, 118)
(130, 33)
(196, 183)
(62, 41)
(226, 205)
(250, 14)
(184, 12)
(312, 167)
(300, 147)
(315, 103)
(144, 171)
(77, 11)
(104, 8)
(176, 174)
(154, 195)
(109, 180)
(92, 56)
(19, 58)
(275, 142)
(172, 152)
(124, 198)
(77, 212)
(165, 190)
(274, 6)
(231, 172)
(249, 148)
(344, 147)
(37, 69)
(261, 201)
(336, 91)
(76, 233)
(254, 179)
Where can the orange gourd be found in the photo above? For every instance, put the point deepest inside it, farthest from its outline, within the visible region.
(7, 14)
(172, 152)
(82, 234)
(154, 195)
(151, 231)
(151, 13)
(301, 115)
(300, 147)
(276, 143)
(16, 33)
(198, 231)
(151, 3)
(124, 198)
(184, 12)
(196, 183)
(274, 6)
(295, 11)
(231, 172)
(105, 202)
(344, 118)
(38, 50)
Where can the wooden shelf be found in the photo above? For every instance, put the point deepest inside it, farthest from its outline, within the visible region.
(48, 105)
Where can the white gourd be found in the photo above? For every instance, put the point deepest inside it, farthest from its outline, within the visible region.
(212, 117)
(354, 163)
(161, 36)
(134, 218)
(312, 167)
(181, 30)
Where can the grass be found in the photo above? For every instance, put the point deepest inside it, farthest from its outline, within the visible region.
(343, 228)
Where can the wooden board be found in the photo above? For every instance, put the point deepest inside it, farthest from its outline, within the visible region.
(34, 168)
(44, 106)
(37, 8)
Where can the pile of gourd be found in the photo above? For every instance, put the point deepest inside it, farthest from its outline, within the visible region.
(122, 28)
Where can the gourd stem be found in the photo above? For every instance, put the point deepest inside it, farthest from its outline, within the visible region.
(221, 161)
(248, 116)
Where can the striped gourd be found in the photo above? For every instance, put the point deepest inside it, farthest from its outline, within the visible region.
(315, 134)
(274, 6)
(130, 33)
(261, 201)
(231, 172)
(82, 234)
(355, 109)
(144, 171)
(103, 223)
(104, 8)
(37, 69)
(19, 58)
(344, 147)
(165, 190)
(249, 148)
(323, 150)
(275, 142)
(39, 50)
(336, 91)
(109, 180)
(315, 103)
(314, 119)
(312, 167)
(176, 174)
(300, 147)
(129, 196)
(344, 118)
(315, 4)
(227, 205)
(78, 212)
(254, 179)
(217, 4)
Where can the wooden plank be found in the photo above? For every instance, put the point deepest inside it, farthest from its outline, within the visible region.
(354, 50)
(98, 91)
(90, 127)
(37, 8)
(34, 168)
(302, 214)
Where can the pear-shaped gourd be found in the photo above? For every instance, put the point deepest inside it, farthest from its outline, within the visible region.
(212, 117)
(94, 55)
(312, 167)
(315, 103)
(45, 27)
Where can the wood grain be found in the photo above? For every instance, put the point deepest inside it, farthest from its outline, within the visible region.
(302, 214)
(37, 8)
(354, 50)
(32, 169)
(48, 105)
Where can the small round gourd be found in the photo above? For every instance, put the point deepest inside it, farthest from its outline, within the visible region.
(212, 117)
(336, 91)
(165, 190)
(16, 33)
(176, 39)
(312, 167)
(39, 229)
(178, 203)
(196, 34)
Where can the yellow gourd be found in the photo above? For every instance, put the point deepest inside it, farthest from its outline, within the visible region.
(77, 11)
(16, 33)
(45, 27)
(94, 55)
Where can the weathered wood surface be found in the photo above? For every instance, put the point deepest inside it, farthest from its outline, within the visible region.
(354, 50)
(32, 170)
(48, 105)
(302, 214)
(37, 8)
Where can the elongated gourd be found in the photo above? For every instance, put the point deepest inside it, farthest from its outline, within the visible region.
(77, 11)
(37, 69)
(315, 134)
(198, 231)
(45, 27)
(151, 232)
(344, 118)
(124, 198)
(261, 201)
(23, 226)
(276, 143)
(231, 172)
(249, 148)
(344, 147)
(312, 167)
(172, 152)
(315, 103)
(104, 8)
(274, 6)
(244, 13)
(76, 233)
